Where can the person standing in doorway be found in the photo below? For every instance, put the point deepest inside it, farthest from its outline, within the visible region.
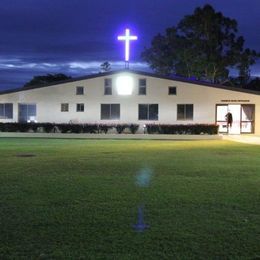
(229, 119)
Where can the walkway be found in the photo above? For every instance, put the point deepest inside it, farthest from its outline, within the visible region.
(248, 139)
(111, 136)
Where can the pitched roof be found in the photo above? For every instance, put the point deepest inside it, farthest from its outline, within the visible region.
(142, 73)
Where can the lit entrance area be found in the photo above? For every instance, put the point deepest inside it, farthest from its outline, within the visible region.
(242, 118)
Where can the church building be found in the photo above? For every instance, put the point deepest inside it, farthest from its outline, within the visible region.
(128, 96)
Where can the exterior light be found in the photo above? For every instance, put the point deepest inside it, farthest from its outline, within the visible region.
(144, 128)
(124, 85)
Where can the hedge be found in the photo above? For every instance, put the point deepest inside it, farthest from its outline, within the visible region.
(66, 128)
(194, 129)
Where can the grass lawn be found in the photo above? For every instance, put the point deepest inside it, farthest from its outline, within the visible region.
(78, 199)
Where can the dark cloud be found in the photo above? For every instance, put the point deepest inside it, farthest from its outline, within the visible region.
(47, 36)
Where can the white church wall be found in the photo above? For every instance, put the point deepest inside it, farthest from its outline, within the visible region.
(203, 98)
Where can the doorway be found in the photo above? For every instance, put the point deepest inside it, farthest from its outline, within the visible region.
(243, 118)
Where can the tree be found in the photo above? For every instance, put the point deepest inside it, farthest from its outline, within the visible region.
(246, 59)
(254, 84)
(105, 66)
(46, 79)
(203, 45)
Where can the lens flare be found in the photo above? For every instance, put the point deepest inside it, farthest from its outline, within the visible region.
(143, 177)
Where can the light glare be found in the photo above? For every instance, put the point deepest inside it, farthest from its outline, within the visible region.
(124, 85)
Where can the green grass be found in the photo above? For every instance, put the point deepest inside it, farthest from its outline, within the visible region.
(78, 199)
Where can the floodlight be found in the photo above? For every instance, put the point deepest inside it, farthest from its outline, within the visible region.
(124, 85)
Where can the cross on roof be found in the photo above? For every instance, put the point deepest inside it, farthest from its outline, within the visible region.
(127, 38)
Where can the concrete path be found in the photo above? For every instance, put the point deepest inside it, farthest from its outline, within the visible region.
(248, 139)
(110, 136)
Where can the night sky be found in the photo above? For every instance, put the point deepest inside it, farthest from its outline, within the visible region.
(75, 36)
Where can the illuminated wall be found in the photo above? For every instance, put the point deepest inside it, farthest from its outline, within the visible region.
(203, 98)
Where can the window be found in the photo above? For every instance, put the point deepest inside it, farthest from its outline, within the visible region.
(142, 87)
(27, 112)
(148, 112)
(80, 90)
(6, 110)
(108, 87)
(110, 111)
(172, 91)
(80, 107)
(185, 112)
(64, 107)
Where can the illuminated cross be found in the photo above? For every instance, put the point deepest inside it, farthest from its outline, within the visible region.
(127, 38)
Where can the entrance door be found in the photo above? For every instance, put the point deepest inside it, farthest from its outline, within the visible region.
(235, 111)
(243, 118)
(221, 112)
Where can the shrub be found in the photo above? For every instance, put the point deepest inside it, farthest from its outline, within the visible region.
(47, 127)
(2, 127)
(120, 128)
(152, 128)
(10, 127)
(90, 128)
(194, 129)
(64, 128)
(103, 128)
(133, 128)
(76, 128)
(34, 127)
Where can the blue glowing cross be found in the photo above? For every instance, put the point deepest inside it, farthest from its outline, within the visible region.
(127, 38)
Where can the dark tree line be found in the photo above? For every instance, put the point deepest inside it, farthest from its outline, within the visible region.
(52, 78)
(46, 79)
(204, 45)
